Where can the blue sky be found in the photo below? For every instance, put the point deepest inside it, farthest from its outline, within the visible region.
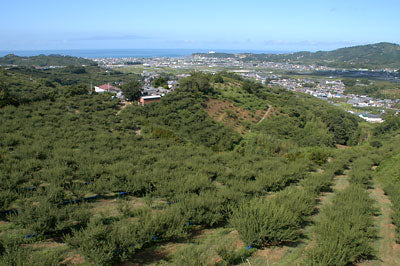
(285, 25)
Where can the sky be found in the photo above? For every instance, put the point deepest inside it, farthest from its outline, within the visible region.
(264, 25)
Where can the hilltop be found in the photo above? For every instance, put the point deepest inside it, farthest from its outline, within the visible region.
(379, 55)
(44, 61)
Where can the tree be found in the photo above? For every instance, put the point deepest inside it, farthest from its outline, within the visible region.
(218, 78)
(251, 86)
(5, 97)
(196, 82)
(76, 90)
(349, 82)
(160, 82)
(76, 69)
(132, 90)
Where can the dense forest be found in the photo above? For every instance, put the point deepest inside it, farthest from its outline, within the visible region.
(379, 55)
(88, 180)
(44, 61)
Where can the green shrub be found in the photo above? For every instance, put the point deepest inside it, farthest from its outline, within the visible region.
(205, 209)
(297, 200)
(43, 217)
(361, 171)
(11, 252)
(318, 182)
(14, 252)
(376, 144)
(231, 256)
(191, 255)
(318, 155)
(128, 210)
(6, 198)
(105, 244)
(264, 222)
(168, 225)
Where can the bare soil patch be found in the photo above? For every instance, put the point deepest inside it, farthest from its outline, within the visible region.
(231, 115)
(342, 147)
(202, 233)
(110, 205)
(152, 255)
(76, 259)
(234, 236)
(45, 244)
(272, 255)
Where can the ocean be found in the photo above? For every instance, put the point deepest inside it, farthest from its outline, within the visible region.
(120, 53)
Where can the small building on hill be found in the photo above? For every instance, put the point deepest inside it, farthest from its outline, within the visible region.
(149, 99)
(371, 118)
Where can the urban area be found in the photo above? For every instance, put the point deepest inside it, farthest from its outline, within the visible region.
(294, 77)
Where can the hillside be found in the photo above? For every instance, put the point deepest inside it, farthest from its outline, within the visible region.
(363, 56)
(379, 55)
(44, 61)
(221, 171)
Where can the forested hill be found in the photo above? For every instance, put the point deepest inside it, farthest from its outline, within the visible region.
(45, 60)
(379, 55)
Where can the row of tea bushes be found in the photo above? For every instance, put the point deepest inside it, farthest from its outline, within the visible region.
(388, 174)
(106, 241)
(273, 220)
(345, 229)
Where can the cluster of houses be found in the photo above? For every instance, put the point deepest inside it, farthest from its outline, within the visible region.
(110, 89)
(144, 99)
(323, 89)
(366, 101)
(334, 89)
(149, 94)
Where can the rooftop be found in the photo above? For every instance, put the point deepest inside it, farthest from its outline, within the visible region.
(151, 97)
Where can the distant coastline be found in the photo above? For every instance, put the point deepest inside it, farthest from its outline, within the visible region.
(120, 53)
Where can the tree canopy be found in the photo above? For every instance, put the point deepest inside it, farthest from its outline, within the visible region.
(132, 90)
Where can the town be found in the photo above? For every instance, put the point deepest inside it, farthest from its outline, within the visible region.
(292, 77)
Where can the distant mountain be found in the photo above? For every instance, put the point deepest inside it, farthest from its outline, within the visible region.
(379, 55)
(45, 60)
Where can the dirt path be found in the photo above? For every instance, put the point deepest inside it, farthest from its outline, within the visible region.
(388, 250)
(340, 182)
(267, 114)
(123, 105)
